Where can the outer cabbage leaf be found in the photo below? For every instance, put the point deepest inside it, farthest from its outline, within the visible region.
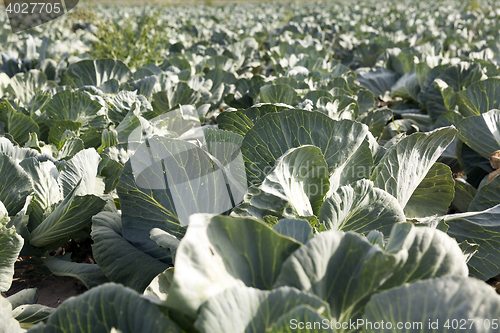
(428, 82)
(300, 230)
(25, 296)
(158, 288)
(123, 102)
(481, 132)
(379, 81)
(81, 168)
(62, 131)
(70, 147)
(360, 207)
(480, 228)
(15, 185)
(46, 190)
(225, 148)
(71, 215)
(18, 125)
(30, 314)
(15, 152)
(7, 322)
(433, 195)
(302, 314)
(295, 187)
(406, 87)
(110, 170)
(475, 166)
(243, 120)
(464, 194)
(90, 275)
(162, 184)
(121, 261)
(376, 120)
(479, 98)
(10, 246)
(358, 166)
(95, 72)
(242, 309)
(411, 254)
(25, 85)
(278, 93)
(430, 305)
(105, 307)
(275, 133)
(457, 77)
(180, 94)
(78, 107)
(222, 252)
(487, 197)
(407, 163)
(144, 86)
(165, 240)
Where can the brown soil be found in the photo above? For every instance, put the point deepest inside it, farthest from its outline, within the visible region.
(495, 282)
(53, 290)
(458, 174)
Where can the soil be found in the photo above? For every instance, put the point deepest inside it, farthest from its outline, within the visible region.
(495, 283)
(53, 290)
(459, 174)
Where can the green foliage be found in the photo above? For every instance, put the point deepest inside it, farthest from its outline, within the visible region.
(136, 41)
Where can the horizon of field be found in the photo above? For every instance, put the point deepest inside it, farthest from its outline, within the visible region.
(179, 2)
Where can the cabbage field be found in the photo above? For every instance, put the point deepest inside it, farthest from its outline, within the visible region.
(253, 167)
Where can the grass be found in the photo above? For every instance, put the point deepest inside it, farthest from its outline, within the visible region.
(135, 42)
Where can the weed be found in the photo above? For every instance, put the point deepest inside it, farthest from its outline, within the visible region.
(136, 41)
